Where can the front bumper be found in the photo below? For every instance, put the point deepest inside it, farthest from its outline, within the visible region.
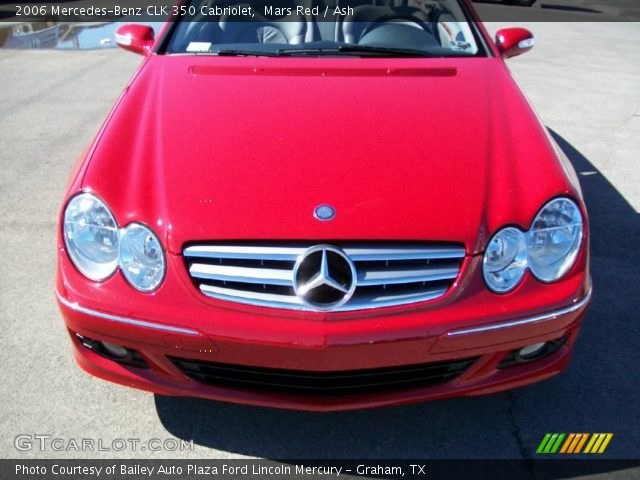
(177, 321)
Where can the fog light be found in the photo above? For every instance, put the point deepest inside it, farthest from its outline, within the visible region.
(116, 353)
(532, 353)
(115, 350)
(531, 350)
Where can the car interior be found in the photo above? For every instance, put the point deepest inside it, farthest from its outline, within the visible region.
(415, 24)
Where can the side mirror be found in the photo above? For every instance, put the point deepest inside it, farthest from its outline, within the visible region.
(514, 41)
(135, 38)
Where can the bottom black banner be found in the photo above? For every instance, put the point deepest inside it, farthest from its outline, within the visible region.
(201, 469)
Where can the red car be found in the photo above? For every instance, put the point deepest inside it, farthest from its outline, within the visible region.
(318, 214)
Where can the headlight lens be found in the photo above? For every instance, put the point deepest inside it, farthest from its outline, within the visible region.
(91, 236)
(549, 249)
(141, 257)
(554, 239)
(505, 260)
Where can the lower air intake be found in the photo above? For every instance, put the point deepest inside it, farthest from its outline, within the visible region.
(298, 382)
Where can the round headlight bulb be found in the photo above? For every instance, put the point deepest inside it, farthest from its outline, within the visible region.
(142, 258)
(91, 236)
(505, 260)
(554, 239)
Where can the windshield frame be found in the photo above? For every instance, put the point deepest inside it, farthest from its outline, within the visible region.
(470, 17)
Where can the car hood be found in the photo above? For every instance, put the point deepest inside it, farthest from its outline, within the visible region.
(206, 148)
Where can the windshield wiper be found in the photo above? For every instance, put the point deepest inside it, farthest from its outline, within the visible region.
(369, 50)
(362, 49)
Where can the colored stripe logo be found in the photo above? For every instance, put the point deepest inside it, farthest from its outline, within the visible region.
(574, 443)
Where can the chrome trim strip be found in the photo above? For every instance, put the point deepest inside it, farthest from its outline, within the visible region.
(290, 302)
(368, 303)
(357, 254)
(376, 254)
(270, 276)
(249, 295)
(408, 275)
(258, 302)
(129, 321)
(524, 321)
(244, 252)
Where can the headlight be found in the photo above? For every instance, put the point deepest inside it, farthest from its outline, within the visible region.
(97, 246)
(505, 260)
(549, 249)
(554, 239)
(141, 257)
(91, 236)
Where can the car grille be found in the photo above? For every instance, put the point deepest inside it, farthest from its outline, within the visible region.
(386, 274)
(322, 383)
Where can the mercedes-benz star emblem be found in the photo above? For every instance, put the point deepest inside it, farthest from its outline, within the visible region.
(324, 277)
(324, 212)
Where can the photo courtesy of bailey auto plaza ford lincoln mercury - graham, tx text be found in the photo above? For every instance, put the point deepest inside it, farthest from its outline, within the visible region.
(324, 215)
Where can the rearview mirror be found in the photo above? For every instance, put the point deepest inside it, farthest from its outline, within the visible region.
(135, 38)
(514, 41)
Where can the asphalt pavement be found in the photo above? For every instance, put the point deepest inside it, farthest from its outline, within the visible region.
(584, 81)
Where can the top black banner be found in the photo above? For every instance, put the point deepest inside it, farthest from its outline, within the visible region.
(320, 10)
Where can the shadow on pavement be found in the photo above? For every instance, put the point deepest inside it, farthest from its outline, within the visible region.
(598, 392)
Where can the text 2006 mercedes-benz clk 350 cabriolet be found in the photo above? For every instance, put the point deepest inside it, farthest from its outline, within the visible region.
(323, 212)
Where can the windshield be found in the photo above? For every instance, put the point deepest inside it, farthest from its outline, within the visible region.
(401, 28)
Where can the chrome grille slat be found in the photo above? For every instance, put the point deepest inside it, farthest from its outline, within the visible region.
(404, 297)
(368, 302)
(244, 252)
(378, 276)
(378, 254)
(363, 302)
(245, 296)
(269, 276)
(387, 274)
